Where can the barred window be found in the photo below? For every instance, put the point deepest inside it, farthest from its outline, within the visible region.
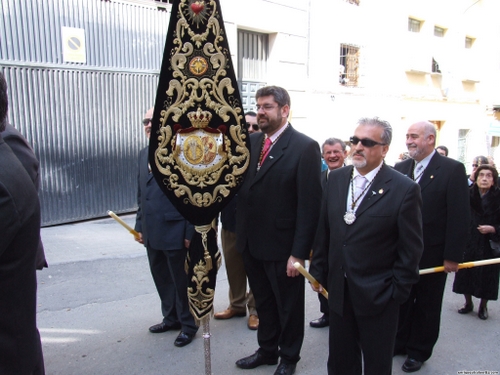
(414, 25)
(349, 65)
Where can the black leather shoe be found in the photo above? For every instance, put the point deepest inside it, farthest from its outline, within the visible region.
(466, 309)
(285, 369)
(183, 339)
(482, 313)
(324, 321)
(255, 360)
(163, 327)
(411, 365)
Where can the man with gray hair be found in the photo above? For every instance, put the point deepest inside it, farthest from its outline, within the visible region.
(370, 237)
(445, 216)
(334, 153)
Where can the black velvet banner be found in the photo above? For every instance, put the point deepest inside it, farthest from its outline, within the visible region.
(199, 147)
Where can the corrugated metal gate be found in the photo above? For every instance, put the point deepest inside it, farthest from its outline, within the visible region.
(83, 119)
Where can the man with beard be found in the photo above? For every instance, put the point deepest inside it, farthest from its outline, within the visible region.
(276, 217)
(370, 235)
(334, 153)
(445, 216)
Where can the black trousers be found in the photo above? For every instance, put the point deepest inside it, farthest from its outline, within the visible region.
(355, 339)
(279, 300)
(420, 317)
(167, 269)
(323, 305)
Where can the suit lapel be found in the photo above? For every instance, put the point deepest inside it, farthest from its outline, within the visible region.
(144, 164)
(408, 168)
(274, 155)
(379, 188)
(344, 187)
(339, 204)
(430, 172)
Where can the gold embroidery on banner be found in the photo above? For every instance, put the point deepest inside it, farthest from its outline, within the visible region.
(200, 157)
(198, 66)
(199, 301)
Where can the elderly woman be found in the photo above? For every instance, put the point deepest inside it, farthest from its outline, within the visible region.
(476, 163)
(481, 282)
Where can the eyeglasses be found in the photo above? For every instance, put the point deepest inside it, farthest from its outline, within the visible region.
(254, 126)
(367, 142)
(265, 107)
(146, 121)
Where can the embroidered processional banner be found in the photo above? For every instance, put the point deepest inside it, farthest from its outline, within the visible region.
(199, 147)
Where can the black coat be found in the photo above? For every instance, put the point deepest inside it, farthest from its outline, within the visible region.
(161, 225)
(278, 206)
(23, 151)
(20, 348)
(481, 282)
(445, 212)
(378, 255)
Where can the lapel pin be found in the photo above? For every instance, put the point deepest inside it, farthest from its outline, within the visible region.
(373, 193)
(381, 191)
(270, 157)
(432, 176)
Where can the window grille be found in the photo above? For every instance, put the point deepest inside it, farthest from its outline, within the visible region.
(349, 65)
(414, 25)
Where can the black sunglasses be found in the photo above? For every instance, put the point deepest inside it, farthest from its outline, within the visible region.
(367, 142)
(146, 121)
(254, 127)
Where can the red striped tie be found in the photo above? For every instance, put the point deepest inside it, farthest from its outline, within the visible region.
(265, 150)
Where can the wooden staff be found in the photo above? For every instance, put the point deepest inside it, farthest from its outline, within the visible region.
(309, 277)
(477, 263)
(125, 225)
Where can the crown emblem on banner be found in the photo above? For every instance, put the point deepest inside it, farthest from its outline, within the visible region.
(199, 119)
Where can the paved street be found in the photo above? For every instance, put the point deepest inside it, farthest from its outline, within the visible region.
(97, 299)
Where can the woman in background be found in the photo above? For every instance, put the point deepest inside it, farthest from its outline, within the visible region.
(481, 282)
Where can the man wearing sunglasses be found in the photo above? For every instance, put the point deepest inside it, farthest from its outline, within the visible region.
(370, 238)
(166, 235)
(251, 120)
(445, 216)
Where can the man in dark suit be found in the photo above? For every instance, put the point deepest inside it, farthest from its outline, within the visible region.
(26, 156)
(370, 235)
(20, 346)
(445, 216)
(277, 213)
(166, 235)
(334, 153)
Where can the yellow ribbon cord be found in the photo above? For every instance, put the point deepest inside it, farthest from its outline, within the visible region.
(203, 230)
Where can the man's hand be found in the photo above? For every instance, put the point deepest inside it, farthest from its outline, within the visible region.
(291, 271)
(485, 229)
(450, 266)
(139, 239)
(319, 289)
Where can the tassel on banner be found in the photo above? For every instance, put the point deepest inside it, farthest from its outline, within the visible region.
(203, 230)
